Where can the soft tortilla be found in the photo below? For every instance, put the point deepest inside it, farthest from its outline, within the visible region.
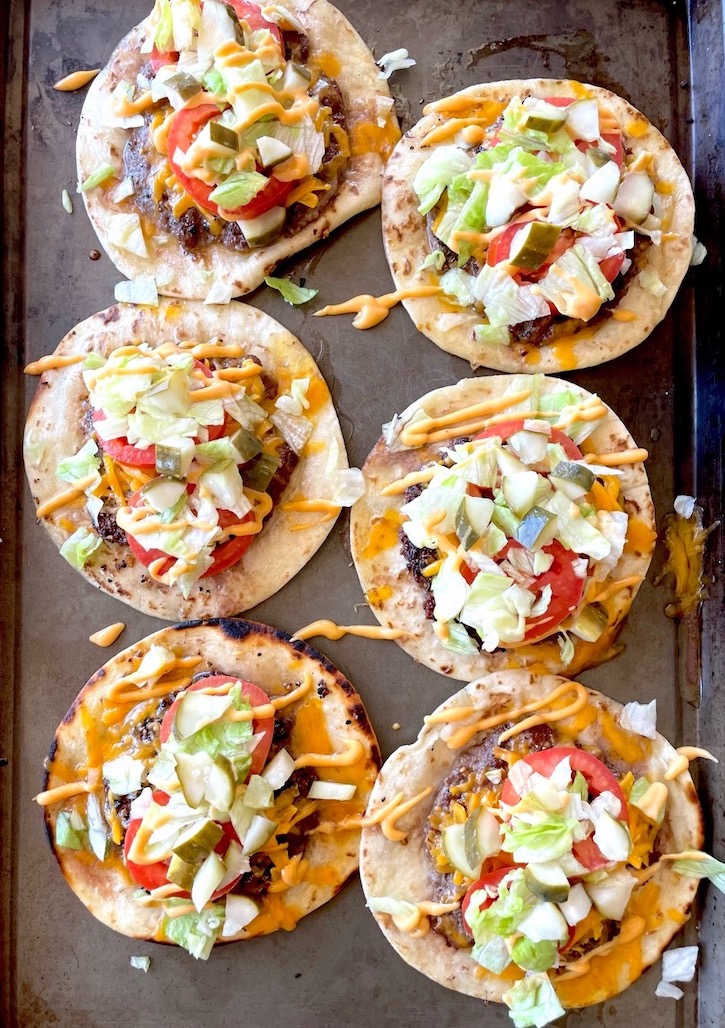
(54, 431)
(452, 328)
(180, 274)
(269, 659)
(396, 598)
(388, 869)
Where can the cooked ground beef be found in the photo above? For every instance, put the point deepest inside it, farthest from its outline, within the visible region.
(283, 474)
(123, 808)
(147, 731)
(535, 332)
(471, 766)
(109, 529)
(296, 47)
(255, 883)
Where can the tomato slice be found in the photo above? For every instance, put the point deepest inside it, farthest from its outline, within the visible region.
(256, 696)
(186, 125)
(250, 13)
(224, 556)
(611, 266)
(124, 452)
(159, 58)
(506, 429)
(567, 589)
(598, 778)
(488, 881)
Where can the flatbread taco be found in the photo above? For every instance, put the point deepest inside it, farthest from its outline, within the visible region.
(553, 215)
(186, 459)
(507, 521)
(550, 847)
(184, 786)
(222, 138)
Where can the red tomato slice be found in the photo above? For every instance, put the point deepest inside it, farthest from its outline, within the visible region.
(566, 589)
(611, 266)
(224, 556)
(256, 696)
(559, 101)
(124, 452)
(250, 13)
(488, 881)
(159, 58)
(615, 139)
(186, 125)
(508, 428)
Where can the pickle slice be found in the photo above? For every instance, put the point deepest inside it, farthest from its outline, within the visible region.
(261, 473)
(537, 528)
(192, 770)
(574, 480)
(198, 841)
(221, 784)
(544, 118)
(590, 622)
(181, 873)
(224, 136)
(246, 444)
(185, 86)
(548, 882)
(534, 244)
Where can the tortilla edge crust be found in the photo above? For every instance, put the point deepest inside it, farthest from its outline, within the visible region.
(451, 329)
(237, 646)
(385, 870)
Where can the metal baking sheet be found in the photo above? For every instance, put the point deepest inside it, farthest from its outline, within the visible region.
(59, 965)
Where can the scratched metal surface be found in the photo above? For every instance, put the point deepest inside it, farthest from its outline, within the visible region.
(60, 966)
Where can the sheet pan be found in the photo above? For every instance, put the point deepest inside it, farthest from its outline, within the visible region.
(60, 966)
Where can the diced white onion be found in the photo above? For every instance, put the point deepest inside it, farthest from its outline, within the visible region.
(685, 506)
(331, 791)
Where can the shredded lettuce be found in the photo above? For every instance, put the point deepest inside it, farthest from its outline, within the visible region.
(81, 464)
(66, 834)
(458, 285)
(140, 963)
(505, 302)
(437, 172)
(532, 1002)
(536, 837)
(290, 291)
(80, 547)
(197, 932)
(225, 738)
(239, 189)
(436, 259)
(702, 866)
(503, 916)
(102, 174)
(139, 290)
(535, 956)
(124, 774)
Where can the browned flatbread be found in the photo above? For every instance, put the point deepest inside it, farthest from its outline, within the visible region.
(397, 600)
(388, 869)
(54, 431)
(452, 328)
(269, 659)
(180, 274)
